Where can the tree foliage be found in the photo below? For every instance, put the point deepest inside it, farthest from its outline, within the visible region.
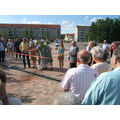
(108, 29)
(26, 33)
(3, 34)
(46, 35)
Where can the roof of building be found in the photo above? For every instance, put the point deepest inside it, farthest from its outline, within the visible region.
(29, 26)
(83, 27)
(68, 35)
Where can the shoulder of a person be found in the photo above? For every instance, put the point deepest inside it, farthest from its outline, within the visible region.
(93, 70)
(71, 71)
(93, 66)
(106, 74)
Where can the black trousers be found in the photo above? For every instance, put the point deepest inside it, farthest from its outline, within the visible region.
(2, 56)
(24, 60)
(18, 51)
(73, 65)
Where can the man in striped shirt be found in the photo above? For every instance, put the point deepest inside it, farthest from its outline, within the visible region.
(77, 80)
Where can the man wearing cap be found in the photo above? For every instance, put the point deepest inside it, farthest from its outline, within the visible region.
(43, 53)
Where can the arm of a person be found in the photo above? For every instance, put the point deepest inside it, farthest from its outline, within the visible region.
(58, 51)
(66, 80)
(63, 50)
(35, 49)
(20, 47)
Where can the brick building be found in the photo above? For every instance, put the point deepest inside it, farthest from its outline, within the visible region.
(32, 30)
(80, 32)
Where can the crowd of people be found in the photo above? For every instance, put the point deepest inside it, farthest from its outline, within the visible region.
(26, 49)
(94, 81)
(93, 76)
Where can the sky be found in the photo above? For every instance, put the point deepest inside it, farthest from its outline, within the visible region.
(67, 22)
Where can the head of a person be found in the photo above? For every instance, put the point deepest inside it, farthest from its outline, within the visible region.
(24, 40)
(97, 53)
(47, 41)
(42, 42)
(83, 57)
(91, 44)
(105, 41)
(17, 39)
(61, 44)
(114, 45)
(66, 98)
(116, 58)
(73, 43)
(9, 40)
(61, 40)
(30, 39)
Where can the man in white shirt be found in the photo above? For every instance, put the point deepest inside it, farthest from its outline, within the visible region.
(106, 50)
(77, 80)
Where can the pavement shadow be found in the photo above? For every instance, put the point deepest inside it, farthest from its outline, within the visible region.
(64, 70)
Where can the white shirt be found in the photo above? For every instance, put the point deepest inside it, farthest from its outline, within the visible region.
(105, 46)
(10, 44)
(77, 80)
(101, 67)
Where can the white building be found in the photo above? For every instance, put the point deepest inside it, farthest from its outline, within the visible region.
(80, 32)
(69, 37)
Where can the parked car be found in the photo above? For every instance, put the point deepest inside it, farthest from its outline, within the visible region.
(57, 43)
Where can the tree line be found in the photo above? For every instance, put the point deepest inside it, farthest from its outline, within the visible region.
(108, 29)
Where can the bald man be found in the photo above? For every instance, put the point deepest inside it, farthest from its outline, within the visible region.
(77, 80)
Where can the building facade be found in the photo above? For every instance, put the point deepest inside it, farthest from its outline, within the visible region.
(80, 33)
(69, 37)
(31, 30)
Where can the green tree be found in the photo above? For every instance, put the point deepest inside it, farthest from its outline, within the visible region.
(46, 35)
(108, 29)
(26, 33)
(15, 36)
(62, 36)
(3, 34)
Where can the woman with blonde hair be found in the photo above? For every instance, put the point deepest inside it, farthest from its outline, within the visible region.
(61, 50)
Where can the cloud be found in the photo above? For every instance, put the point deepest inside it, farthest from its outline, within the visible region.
(50, 23)
(86, 18)
(68, 28)
(24, 20)
(95, 19)
(34, 22)
(65, 22)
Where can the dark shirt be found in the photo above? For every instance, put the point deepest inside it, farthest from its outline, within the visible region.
(17, 44)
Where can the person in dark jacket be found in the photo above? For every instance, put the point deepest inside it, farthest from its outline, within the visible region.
(2, 51)
(16, 46)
